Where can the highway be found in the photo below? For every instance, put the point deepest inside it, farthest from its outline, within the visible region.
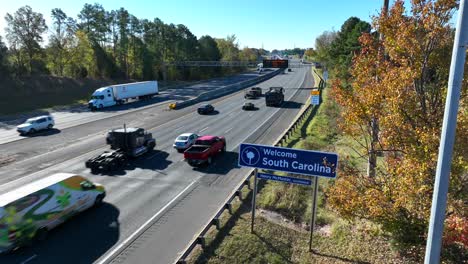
(159, 186)
(78, 115)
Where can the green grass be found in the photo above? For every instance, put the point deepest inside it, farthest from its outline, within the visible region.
(275, 243)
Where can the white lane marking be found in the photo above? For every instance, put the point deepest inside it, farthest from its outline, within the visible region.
(204, 129)
(29, 259)
(145, 225)
(250, 115)
(228, 130)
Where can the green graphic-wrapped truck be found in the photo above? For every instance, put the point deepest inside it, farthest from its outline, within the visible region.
(28, 212)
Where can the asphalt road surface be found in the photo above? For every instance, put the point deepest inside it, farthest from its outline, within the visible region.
(160, 186)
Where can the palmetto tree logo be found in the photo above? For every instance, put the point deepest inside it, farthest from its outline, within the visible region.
(250, 156)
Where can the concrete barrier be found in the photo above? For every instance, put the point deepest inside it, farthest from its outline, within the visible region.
(225, 90)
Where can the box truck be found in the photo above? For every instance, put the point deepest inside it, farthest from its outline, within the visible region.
(120, 93)
(30, 211)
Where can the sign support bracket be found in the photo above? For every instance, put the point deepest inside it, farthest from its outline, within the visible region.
(314, 210)
(254, 196)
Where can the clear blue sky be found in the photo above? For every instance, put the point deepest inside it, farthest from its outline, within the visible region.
(273, 24)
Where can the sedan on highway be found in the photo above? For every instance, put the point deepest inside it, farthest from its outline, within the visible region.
(248, 106)
(205, 109)
(184, 141)
(35, 124)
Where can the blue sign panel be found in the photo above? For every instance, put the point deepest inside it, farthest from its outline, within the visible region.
(297, 161)
(315, 100)
(284, 179)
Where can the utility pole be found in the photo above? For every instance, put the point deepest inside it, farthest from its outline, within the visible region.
(439, 199)
(372, 159)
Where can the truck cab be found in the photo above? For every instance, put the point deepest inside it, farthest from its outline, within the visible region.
(133, 141)
(275, 96)
(102, 97)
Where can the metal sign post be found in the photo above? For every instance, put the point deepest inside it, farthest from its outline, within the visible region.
(254, 196)
(314, 211)
(439, 200)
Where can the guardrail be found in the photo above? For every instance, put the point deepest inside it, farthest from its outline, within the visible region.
(215, 219)
(225, 90)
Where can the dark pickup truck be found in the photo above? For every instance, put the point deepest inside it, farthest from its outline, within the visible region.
(204, 149)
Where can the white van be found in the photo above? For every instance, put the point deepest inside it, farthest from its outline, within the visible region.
(30, 211)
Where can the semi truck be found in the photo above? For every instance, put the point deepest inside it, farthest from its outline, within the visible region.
(204, 149)
(30, 211)
(275, 96)
(121, 93)
(125, 143)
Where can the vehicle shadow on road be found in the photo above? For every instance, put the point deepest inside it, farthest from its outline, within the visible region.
(291, 105)
(215, 112)
(82, 239)
(253, 109)
(222, 164)
(154, 160)
(44, 133)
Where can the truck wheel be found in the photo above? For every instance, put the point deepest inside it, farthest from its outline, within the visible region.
(41, 234)
(98, 200)
(151, 146)
(50, 126)
(224, 149)
(101, 106)
(209, 161)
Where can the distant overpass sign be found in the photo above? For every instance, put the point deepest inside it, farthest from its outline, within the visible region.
(305, 162)
(275, 63)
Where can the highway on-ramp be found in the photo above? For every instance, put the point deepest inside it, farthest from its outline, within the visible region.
(159, 186)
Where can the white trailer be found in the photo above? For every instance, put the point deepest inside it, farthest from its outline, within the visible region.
(120, 93)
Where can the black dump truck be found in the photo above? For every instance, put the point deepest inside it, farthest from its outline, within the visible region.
(125, 143)
(275, 96)
(253, 93)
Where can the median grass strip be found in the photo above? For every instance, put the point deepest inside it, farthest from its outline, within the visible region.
(284, 211)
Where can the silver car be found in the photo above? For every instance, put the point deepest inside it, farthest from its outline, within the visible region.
(184, 141)
(35, 124)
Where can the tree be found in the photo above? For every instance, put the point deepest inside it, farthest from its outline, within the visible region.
(323, 46)
(24, 31)
(123, 20)
(60, 40)
(229, 48)
(346, 45)
(94, 23)
(82, 63)
(404, 89)
(3, 58)
(247, 54)
(310, 53)
(209, 49)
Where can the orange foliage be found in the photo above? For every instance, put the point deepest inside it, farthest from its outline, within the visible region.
(402, 82)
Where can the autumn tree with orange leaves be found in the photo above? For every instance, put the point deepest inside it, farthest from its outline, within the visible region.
(402, 81)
